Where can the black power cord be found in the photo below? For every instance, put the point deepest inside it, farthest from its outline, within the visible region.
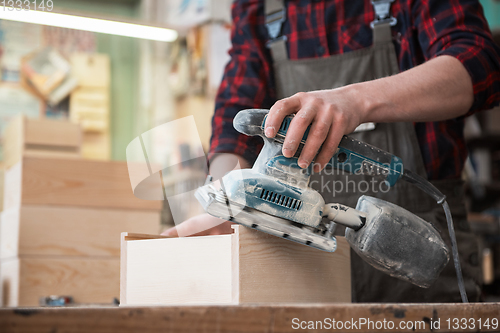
(440, 198)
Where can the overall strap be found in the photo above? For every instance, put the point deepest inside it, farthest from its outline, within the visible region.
(275, 17)
(383, 21)
(275, 11)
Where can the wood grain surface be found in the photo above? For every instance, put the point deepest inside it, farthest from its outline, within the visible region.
(42, 137)
(88, 280)
(13, 141)
(72, 182)
(52, 133)
(189, 270)
(273, 269)
(247, 266)
(70, 231)
(239, 319)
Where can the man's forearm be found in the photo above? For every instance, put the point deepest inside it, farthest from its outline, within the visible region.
(437, 90)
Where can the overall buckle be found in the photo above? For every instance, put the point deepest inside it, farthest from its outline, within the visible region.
(383, 13)
(274, 22)
(281, 38)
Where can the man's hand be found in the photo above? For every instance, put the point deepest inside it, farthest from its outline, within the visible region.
(332, 114)
(207, 223)
(437, 90)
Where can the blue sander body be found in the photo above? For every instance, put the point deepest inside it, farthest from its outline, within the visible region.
(274, 197)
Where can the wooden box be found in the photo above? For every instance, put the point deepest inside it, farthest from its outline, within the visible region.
(245, 267)
(72, 182)
(70, 231)
(96, 146)
(87, 279)
(40, 137)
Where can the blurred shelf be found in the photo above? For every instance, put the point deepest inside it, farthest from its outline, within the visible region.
(485, 141)
(484, 223)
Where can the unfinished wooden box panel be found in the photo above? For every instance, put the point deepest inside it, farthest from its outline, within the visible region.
(40, 137)
(89, 280)
(69, 231)
(72, 182)
(245, 267)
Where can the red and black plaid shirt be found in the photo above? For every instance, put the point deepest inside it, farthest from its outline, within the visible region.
(321, 28)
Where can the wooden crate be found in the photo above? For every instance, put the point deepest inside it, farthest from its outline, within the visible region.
(88, 280)
(69, 231)
(245, 267)
(40, 137)
(96, 146)
(72, 182)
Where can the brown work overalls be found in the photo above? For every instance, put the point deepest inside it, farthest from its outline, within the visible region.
(379, 60)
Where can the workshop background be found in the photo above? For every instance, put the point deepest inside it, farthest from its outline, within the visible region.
(70, 103)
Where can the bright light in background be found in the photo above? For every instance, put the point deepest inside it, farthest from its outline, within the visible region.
(90, 24)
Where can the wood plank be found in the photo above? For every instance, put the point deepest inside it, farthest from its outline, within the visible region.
(41, 137)
(96, 146)
(52, 152)
(88, 280)
(70, 231)
(9, 278)
(11, 186)
(9, 233)
(189, 270)
(52, 133)
(127, 236)
(123, 268)
(242, 318)
(13, 141)
(70, 182)
(296, 273)
(245, 267)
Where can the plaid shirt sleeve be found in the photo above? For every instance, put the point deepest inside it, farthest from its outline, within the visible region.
(246, 84)
(428, 28)
(458, 29)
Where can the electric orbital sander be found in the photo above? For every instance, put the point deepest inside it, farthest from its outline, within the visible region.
(274, 197)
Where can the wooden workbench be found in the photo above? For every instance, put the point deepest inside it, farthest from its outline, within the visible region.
(245, 318)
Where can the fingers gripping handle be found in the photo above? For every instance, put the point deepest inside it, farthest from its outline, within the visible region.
(352, 155)
(344, 215)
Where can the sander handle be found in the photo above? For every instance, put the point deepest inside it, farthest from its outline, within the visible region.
(352, 155)
(344, 215)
